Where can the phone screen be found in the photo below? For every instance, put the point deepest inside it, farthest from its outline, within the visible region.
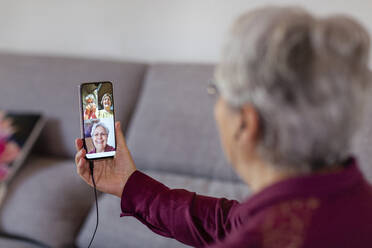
(97, 115)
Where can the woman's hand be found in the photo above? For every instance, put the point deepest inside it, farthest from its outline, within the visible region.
(93, 107)
(110, 174)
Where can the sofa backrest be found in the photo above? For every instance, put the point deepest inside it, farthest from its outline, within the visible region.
(49, 85)
(173, 128)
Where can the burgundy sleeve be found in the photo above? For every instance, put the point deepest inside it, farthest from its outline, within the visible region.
(190, 218)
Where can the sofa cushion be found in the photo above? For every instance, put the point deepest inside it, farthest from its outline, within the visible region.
(173, 128)
(47, 201)
(10, 243)
(114, 231)
(49, 85)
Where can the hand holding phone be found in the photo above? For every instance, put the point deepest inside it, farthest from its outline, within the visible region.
(110, 175)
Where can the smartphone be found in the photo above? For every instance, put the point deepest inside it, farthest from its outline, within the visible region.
(97, 119)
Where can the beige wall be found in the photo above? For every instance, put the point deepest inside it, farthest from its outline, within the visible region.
(157, 30)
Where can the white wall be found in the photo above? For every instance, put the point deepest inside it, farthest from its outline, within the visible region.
(159, 30)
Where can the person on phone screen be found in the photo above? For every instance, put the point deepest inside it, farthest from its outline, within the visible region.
(291, 87)
(90, 107)
(99, 136)
(106, 102)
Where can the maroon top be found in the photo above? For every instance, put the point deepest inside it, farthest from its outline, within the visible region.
(319, 210)
(108, 148)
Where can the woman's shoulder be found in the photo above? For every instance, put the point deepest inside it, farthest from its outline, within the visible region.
(92, 151)
(103, 113)
(109, 148)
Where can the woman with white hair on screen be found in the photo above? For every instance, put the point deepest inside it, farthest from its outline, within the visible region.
(291, 89)
(100, 134)
(90, 107)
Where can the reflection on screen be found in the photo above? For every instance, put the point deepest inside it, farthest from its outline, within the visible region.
(98, 115)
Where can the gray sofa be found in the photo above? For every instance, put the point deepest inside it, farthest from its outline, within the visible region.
(170, 130)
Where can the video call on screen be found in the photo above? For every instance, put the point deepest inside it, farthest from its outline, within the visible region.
(98, 116)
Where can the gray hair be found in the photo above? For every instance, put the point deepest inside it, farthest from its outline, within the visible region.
(90, 96)
(99, 124)
(305, 76)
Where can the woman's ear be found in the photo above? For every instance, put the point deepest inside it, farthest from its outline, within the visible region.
(242, 126)
(249, 125)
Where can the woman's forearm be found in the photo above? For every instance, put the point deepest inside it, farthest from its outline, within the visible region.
(190, 218)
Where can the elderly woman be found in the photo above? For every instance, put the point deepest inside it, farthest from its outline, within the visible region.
(90, 107)
(106, 102)
(291, 92)
(99, 136)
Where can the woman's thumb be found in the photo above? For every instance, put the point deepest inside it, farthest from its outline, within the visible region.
(120, 140)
